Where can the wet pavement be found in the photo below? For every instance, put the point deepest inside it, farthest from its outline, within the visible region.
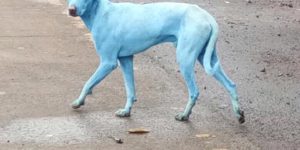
(46, 57)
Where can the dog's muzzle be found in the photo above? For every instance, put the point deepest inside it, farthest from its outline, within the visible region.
(72, 11)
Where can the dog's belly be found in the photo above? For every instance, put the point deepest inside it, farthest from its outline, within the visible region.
(131, 48)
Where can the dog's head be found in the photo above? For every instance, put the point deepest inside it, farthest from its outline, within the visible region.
(78, 7)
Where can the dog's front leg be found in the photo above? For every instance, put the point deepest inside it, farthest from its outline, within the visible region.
(102, 71)
(126, 64)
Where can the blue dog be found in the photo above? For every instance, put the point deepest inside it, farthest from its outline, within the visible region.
(120, 30)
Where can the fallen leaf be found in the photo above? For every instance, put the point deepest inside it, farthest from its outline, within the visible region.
(202, 135)
(138, 130)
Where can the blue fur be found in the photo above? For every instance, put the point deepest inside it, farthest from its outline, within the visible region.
(120, 30)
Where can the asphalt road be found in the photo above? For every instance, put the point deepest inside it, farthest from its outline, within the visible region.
(46, 57)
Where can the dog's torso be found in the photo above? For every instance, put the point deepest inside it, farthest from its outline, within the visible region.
(148, 24)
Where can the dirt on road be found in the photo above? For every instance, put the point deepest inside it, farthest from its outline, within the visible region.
(46, 57)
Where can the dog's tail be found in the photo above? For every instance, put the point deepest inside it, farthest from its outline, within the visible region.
(210, 61)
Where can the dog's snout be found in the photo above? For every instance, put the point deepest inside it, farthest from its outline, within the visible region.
(72, 11)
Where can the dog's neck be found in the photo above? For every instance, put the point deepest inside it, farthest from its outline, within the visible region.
(98, 8)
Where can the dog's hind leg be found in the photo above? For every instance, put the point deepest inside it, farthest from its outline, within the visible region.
(102, 71)
(191, 41)
(230, 87)
(187, 71)
(126, 64)
(187, 54)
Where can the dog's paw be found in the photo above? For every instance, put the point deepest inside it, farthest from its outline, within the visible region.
(181, 117)
(242, 117)
(76, 104)
(122, 113)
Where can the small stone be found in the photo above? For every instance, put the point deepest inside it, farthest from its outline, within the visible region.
(117, 140)
(285, 4)
(256, 76)
(288, 103)
(289, 74)
(263, 70)
(223, 106)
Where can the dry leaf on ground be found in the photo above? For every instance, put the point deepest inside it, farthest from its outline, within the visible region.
(205, 136)
(139, 130)
(202, 135)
